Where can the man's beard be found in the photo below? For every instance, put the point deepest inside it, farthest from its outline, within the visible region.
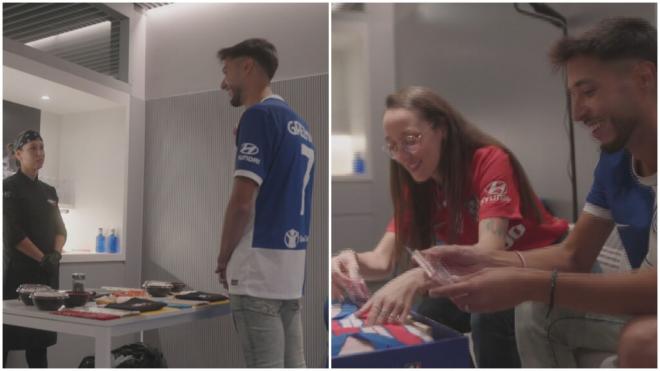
(623, 129)
(236, 99)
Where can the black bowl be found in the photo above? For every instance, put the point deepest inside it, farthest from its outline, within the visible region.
(159, 291)
(178, 286)
(77, 298)
(49, 304)
(25, 298)
(25, 291)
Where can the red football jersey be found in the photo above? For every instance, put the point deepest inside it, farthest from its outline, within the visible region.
(494, 194)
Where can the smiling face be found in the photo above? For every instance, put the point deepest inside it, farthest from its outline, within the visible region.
(234, 80)
(31, 155)
(414, 143)
(604, 98)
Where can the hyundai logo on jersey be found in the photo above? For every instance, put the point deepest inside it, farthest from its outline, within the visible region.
(496, 191)
(249, 149)
(497, 187)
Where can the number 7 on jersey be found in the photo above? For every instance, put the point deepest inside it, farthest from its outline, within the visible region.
(309, 153)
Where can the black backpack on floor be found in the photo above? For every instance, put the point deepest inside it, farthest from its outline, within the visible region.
(136, 355)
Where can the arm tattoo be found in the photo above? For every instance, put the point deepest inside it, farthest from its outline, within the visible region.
(495, 228)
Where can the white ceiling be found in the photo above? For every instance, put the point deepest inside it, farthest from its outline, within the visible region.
(22, 88)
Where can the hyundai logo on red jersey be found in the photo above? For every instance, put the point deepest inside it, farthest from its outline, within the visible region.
(497, 187)
(495, 191)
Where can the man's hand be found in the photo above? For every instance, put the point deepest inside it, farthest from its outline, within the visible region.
(236, 220)
(460, 260)
(221, 270)
(490, 289)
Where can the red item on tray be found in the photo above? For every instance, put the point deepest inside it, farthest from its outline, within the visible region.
(131, 293)
(402, 334)
(338, 330)
(88, 315)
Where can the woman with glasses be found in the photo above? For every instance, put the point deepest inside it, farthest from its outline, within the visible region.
(451, 184)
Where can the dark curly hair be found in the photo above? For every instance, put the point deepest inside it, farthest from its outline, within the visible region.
(610, 39)
(261, 50)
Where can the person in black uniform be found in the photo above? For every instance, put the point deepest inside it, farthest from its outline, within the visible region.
(34, 235)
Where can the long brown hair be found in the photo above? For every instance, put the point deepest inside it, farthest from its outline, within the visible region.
(413, 202)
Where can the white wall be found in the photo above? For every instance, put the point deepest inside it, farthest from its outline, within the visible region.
(361, 209)
(50, 127)
(92, 153)
(350, 86)
(135, 132)
(183, 39)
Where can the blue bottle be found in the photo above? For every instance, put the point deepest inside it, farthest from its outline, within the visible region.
(100, 242)
(358, 163)
(113, 242)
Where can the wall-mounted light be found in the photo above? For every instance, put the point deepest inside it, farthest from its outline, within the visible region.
(45, 97)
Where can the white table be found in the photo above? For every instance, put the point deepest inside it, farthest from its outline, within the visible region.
(18, 314)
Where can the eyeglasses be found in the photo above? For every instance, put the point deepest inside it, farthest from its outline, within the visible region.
(410, 143)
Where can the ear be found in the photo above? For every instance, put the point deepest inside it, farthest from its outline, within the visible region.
(247, 65)
(646, 75)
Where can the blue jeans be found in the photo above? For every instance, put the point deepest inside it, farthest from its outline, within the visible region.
(270, 331)
(494, 338)
(558, 340)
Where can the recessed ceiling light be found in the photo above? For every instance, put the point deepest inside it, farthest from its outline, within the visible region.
(45, 97)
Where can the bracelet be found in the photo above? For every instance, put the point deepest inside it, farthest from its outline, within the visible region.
(355, 255)
(553, 285)
(522, 259)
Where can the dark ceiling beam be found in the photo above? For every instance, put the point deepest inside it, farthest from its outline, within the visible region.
(47, 30)
(53, 21)
(39, 13)
(21, 9)
(115, 15)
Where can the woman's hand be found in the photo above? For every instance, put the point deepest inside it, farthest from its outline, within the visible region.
(51, 262)
(345, 271)
(393, 301)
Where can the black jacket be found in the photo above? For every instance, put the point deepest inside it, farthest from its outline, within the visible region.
(30, 210)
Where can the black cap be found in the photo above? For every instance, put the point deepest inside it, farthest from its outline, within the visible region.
(24, 137)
